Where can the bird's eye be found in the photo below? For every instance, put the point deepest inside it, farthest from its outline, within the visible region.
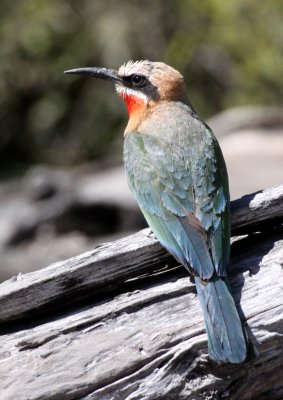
(138, 80)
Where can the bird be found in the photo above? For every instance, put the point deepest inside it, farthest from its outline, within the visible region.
(177, 174)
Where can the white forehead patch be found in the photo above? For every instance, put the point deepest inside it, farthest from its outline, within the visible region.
(135, 67)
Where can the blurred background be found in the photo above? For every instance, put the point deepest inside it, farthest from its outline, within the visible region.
(62, 185)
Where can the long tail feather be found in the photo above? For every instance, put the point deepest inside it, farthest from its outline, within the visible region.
(226, 337)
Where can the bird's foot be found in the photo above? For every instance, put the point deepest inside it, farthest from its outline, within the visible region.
(149, 233)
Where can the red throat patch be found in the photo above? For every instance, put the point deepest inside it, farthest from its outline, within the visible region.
(133, 103)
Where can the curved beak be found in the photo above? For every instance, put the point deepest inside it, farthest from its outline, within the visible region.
(107, 74)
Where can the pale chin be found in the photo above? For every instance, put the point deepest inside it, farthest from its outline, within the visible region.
(128, 92)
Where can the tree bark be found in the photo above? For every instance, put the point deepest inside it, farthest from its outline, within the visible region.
(123, 321)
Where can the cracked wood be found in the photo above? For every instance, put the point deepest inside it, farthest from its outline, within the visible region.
(135, 330)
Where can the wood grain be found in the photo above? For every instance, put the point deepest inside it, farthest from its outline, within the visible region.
(123, 321)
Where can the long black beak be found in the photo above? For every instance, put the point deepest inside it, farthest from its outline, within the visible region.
(107, 74)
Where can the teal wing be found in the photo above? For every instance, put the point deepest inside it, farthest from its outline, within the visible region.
(182, 198)
(212, 195)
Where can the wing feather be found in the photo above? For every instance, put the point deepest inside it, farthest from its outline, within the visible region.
(182, 198)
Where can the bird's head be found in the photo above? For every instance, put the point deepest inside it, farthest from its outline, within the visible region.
(141, 84)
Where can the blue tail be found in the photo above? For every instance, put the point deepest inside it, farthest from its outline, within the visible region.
(226, 337)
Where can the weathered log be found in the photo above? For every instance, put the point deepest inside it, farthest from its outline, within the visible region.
(109, 265)
(257, 209)
(123, 321)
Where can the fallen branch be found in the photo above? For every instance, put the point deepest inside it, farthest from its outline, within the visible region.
(123, 321)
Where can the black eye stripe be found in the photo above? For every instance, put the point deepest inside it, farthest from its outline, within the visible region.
(143, 84)
(135, 80)
(127, 79)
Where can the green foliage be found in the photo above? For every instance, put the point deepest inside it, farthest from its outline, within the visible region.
(230, 53)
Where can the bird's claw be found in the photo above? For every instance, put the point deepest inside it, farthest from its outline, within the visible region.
(149, 233)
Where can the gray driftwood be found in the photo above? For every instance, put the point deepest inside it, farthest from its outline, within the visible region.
(123, 321)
